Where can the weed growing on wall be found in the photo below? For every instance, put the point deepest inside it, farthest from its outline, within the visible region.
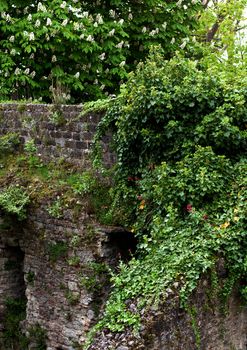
(9, 143)
(14, 200)
(57, 250)
(13, 338)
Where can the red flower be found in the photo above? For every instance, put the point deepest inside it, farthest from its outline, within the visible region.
(189, 208)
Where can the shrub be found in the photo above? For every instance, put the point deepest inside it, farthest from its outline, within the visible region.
(14, 200)
(9, 143)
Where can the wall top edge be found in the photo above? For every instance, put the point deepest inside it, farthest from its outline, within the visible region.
(39, 104)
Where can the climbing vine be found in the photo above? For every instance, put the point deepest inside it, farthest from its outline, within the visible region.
(180, 138)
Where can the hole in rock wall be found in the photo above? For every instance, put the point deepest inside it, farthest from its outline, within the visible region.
(121, 244)
(12, 285)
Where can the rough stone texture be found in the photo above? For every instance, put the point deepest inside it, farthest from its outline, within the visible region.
(58, 299)
(59, 132)
(168, 327)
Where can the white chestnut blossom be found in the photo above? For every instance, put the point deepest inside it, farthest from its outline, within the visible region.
(130, 16)
(13, 52)
(102, 56)
(121, 21)
(112, 32)
(144, 29)
(76, 26)
(122, 64)
(31, 36)
(27, 71)
(77, 75)
(99, 19)
(8, 18)
(164, 25)
(17, 71)
(29, 17)
(41, 7)
(112, 13)
(65, 22)
(48, 22)
(173, 41)
(90, 38)
(54, 58)
(184, 43)
(32, 75)
(12, 39)
(63, 5)
(37, 23)
(85, 14)
(120, 45)
(154, 31)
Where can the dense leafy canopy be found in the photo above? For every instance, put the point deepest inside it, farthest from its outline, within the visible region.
(179, 130)
(79, 50)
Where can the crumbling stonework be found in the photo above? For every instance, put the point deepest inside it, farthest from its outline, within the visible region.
(65, 274)
(206, 325)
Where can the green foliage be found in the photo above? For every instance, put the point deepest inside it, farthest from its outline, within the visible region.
(179, 133)
(72, 297)
(56, 209)
(30, 147)
(67, 50)
(30, 277)
(31, 150)
(167, 108)
(14, 200)
(57, 250)
(95, 192)
(37, 336)
(98, 274)
(82, 183)
(9, 143)
(13, 338)
(56, 116)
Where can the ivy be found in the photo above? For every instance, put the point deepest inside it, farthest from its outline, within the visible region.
(180, 137)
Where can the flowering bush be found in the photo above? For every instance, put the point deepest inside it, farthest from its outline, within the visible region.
(73, 50)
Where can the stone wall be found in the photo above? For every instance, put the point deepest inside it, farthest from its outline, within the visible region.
(65, 271)
(208, 324)
(59, 132)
